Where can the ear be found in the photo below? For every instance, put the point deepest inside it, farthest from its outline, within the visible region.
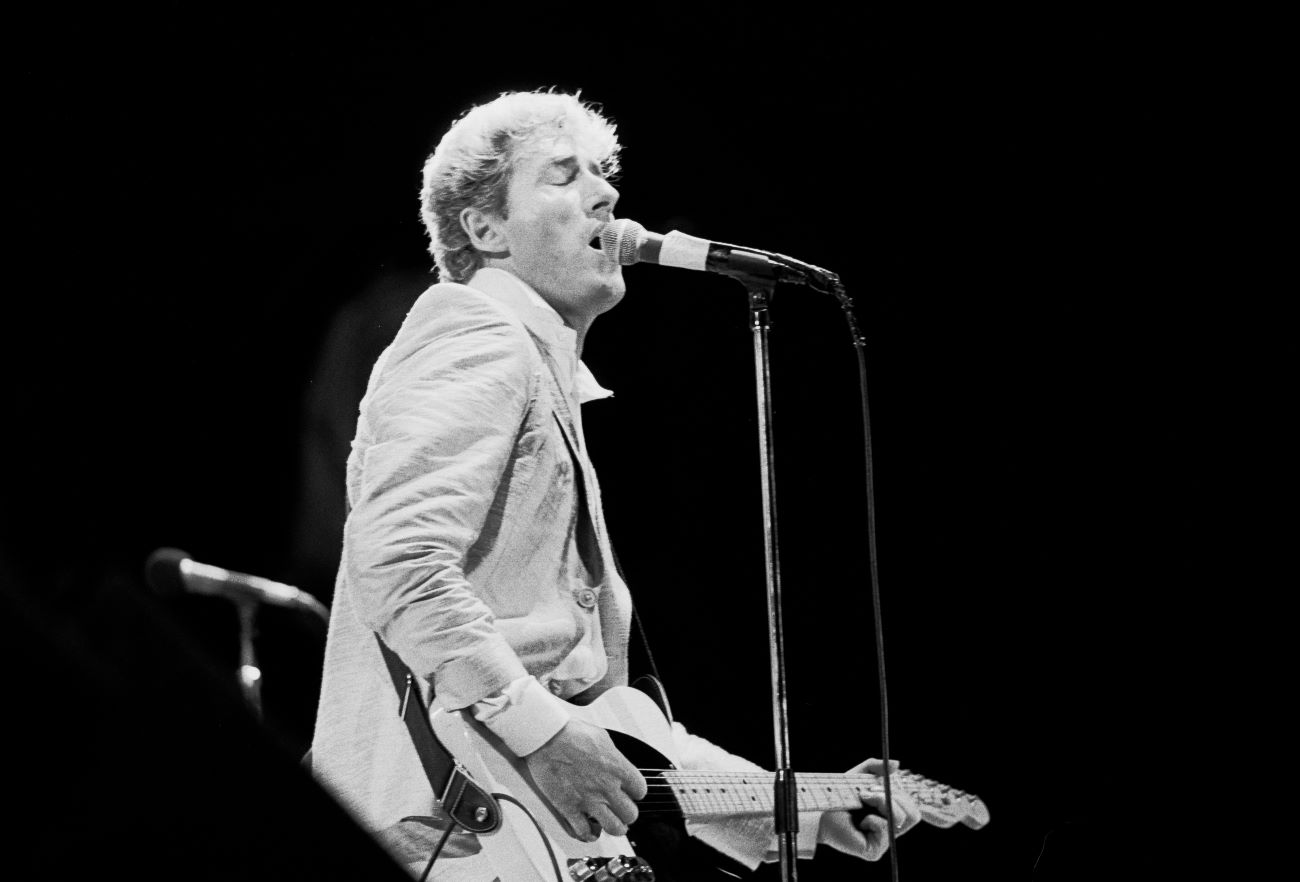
(484, 231)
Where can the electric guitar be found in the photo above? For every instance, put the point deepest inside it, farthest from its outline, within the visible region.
(540, 849)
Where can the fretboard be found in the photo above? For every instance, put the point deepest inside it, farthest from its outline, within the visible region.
(704, 795)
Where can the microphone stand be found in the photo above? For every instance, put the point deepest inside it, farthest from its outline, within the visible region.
(760, 281)
(759, 271)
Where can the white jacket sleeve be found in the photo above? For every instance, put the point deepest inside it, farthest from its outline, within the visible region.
(440, 423)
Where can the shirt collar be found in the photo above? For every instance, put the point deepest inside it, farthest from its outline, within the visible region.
(542, 319)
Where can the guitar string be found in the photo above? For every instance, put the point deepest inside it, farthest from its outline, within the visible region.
(672, 807)
(809, 790)
(672, 796)
(669, 787)
(874, 789)
(739, 793)
(812, 778)
(927, 797)
(742, 812)
(845, 776)
(817, 800)
(760, 778)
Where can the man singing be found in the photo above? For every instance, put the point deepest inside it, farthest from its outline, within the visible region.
(475, 544)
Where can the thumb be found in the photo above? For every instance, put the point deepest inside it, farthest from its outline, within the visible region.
(582, 827)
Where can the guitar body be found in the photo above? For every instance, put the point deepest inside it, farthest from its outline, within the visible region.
(641, 733)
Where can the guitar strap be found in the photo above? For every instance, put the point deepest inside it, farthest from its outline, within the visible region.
(460, 796)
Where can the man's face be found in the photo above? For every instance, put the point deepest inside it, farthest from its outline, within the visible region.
(557, 201)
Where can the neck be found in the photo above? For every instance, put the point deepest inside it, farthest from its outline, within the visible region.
(707, 795)
(579, 321)
(581, 330)
(576, 318)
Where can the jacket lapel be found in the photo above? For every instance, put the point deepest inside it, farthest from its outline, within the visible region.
(556, 343)
(568, 428)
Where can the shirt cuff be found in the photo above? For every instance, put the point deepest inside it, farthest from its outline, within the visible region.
(837, 831)
(746, 840)
(525, 715)
(750, 841)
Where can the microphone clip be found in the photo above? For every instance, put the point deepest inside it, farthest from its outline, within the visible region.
(770, 266)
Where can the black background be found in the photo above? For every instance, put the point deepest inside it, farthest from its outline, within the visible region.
(202, 197)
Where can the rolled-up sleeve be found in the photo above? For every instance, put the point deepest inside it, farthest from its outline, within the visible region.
(442, 418)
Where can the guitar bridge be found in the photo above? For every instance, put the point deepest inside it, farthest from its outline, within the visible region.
(622, 868)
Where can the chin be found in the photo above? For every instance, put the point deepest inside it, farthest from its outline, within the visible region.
(610, 293)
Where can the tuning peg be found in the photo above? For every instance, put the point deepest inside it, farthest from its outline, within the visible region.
(978, 814)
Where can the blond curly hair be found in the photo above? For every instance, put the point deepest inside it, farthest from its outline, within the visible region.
(471, 166)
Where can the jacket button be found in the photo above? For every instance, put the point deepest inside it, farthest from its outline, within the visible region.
(587, 598)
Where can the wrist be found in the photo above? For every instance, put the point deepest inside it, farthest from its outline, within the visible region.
(524, 715)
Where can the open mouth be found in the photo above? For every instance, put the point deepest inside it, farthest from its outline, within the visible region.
(594, 241)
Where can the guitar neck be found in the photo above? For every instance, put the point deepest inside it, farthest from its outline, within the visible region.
(712, 795)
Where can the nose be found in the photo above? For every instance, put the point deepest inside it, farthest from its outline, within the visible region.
(603, 197)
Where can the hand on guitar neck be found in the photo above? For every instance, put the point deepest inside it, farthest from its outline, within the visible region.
(588, 782)
(872, 832)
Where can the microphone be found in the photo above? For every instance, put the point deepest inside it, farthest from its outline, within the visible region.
(628, 242)
(170, 571)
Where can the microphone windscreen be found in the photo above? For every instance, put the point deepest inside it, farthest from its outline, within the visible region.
(620, 240)
(162, 571)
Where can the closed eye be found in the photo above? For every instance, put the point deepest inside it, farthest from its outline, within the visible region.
(565, 170)
(562, 171)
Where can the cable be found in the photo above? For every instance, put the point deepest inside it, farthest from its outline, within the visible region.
(860, 345)
(437, 850)
(546, 840)
(661, 688)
